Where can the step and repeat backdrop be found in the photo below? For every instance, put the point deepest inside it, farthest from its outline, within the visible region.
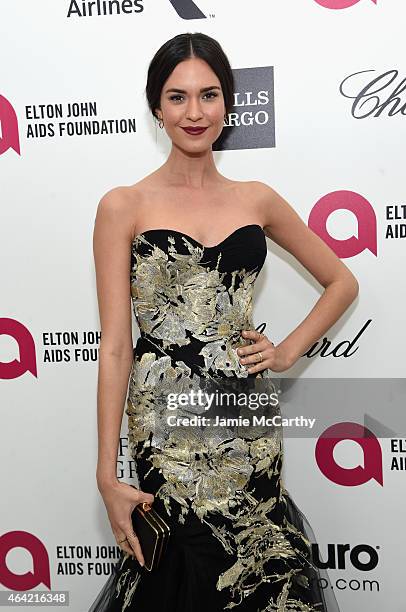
(319, 114)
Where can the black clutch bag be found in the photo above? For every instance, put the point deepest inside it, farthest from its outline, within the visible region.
(153, 533)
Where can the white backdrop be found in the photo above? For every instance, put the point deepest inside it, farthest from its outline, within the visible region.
(52, 517)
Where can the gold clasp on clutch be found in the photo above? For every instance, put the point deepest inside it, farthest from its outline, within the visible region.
(146, 506)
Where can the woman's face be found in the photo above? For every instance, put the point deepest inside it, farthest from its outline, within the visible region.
(192, 97)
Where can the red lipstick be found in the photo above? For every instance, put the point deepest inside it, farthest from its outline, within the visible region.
(194, 131)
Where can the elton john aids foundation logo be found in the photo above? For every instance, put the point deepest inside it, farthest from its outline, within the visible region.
(187, 9)
(40, 561)
(25, 342)
(354, 476)
(365, 216)
(339, 4)
(9, 138)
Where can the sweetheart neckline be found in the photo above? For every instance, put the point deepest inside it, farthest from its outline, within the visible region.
(203, 246)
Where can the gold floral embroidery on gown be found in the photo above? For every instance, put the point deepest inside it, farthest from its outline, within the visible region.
(233, 523)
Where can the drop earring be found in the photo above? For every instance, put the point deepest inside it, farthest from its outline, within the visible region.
(161, 125)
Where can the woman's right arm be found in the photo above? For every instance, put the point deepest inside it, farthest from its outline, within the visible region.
(112, 239)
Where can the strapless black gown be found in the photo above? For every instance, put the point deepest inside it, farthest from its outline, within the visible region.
(238, 541)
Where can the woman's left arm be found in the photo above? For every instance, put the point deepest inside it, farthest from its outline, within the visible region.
(285, 227)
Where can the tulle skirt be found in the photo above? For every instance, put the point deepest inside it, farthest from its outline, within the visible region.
(238, 540)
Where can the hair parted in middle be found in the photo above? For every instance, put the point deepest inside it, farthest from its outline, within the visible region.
(182, 47)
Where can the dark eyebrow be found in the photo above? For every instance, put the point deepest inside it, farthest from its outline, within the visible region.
(174, 89)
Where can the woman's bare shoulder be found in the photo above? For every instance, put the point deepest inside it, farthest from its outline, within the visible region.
(266, 196)
(115, 210)
(127, 197)
(123, 204)
(255, 195)
(258, 189)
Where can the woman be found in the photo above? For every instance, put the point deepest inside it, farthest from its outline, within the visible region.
(197, 244)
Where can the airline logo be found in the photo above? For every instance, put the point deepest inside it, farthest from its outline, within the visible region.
(187, 9)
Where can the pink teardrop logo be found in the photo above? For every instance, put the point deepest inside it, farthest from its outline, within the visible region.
(9, 138)
(339, 4)
(364, 213)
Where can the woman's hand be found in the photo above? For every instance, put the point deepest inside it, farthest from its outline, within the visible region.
(120, 500)
(260, 353)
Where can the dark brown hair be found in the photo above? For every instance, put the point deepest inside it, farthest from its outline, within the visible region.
(183, 47)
